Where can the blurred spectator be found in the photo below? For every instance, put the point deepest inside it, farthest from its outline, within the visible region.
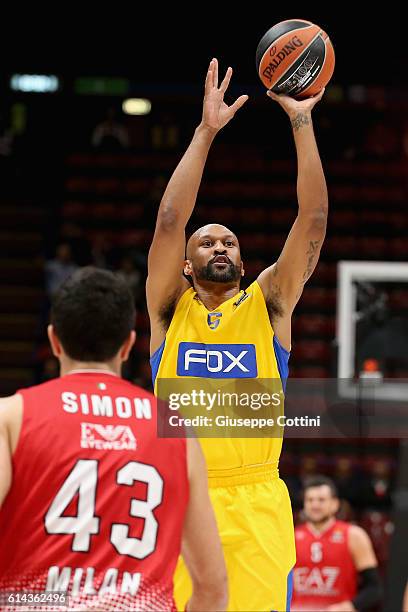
(309, 466)
(101, 252)
(80, 246)
(381, 142)
(45, 364)
(128, 271)
(59, 268)
(376, 489)
(347, 480)
(110, 135)
(6, 138)
(50, 369)
(324, 540)
(153, 199)
(165, 133)
(7, 163)
(345, 511)
(380, 527)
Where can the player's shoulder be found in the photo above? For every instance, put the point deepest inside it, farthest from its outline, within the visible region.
(10, 402)
(48, 385)
(357, 533)
(10, 408)
(255, 287)
(339, 524)
(346, 526)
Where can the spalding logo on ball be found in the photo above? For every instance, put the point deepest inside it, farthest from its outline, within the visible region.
(295, 58)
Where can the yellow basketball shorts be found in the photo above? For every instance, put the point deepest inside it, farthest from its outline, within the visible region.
(255, 523)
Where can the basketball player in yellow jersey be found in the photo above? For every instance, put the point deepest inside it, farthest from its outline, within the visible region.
(211, 329)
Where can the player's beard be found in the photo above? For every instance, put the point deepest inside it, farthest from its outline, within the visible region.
(211, 273)
(323, 519)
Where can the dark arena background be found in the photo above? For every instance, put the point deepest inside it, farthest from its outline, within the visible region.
(82, 178)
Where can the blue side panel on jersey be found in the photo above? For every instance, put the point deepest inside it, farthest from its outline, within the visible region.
(155, 360)
(289, 590)
(282, 358)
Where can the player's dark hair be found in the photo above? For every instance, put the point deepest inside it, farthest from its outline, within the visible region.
(93, 313)
(319, 481)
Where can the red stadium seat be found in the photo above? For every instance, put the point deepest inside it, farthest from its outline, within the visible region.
(135, 238)
(312, 351)
(325, 273)
(309, 372)
(340, 246)
(103, 211)
(319, 299)
(74, 210)
(315, 325)
(252, 216)
(399, 248)
(79, 184)
(373, 248)
(132, 213)
(136, 186)
(280, 219)
(106, 185)
(398, 299)
(343, 219)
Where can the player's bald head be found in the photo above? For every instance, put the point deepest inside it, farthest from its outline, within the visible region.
(213, 255)
(212, 231)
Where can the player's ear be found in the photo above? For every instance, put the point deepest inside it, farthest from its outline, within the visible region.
(127, 346)
(336, 504)
(188, 268)
(54, 342)
(242, 269)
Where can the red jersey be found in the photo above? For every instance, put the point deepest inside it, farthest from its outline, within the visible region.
(324, 573)
(97, 503)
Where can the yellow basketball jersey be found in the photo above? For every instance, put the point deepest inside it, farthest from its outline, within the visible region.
(234, 341)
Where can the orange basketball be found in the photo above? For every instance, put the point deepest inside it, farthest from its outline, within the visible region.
(296, 58)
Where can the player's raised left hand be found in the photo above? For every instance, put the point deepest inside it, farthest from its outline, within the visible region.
(216, 113)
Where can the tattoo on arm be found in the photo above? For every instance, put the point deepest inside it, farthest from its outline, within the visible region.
(312, 250)
(300, 121)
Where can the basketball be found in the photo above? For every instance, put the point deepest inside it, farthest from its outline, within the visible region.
(295, 58)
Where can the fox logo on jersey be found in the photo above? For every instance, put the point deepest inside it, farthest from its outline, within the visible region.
(216, 360)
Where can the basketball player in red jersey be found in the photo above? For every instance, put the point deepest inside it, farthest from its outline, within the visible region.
(336, 568)
(91, 501)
